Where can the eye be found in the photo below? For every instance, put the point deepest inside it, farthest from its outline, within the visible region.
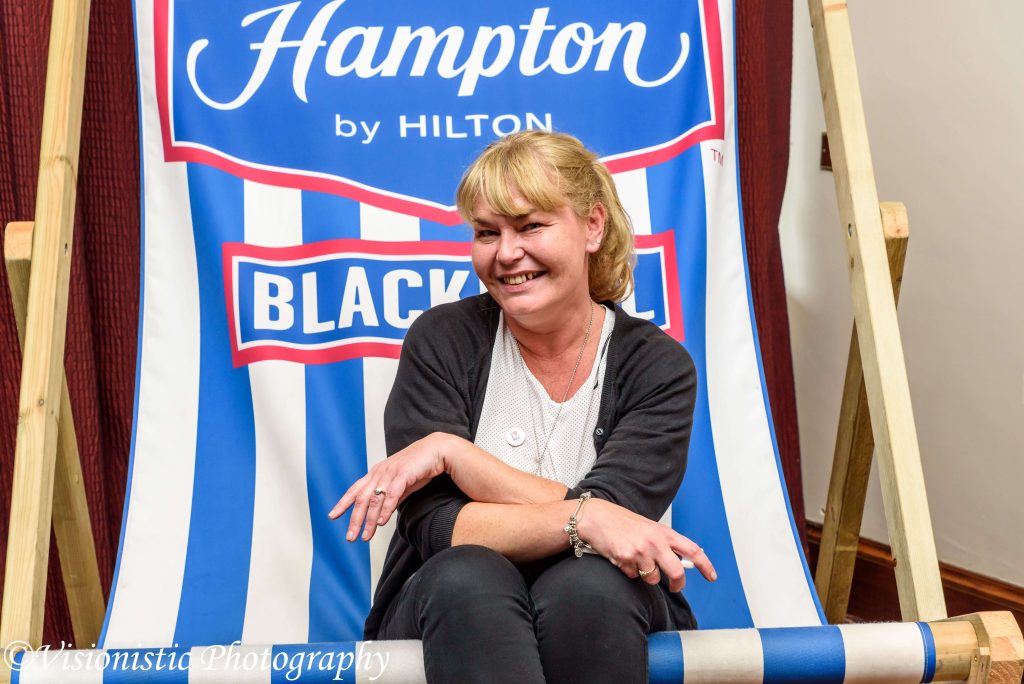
(484, 234)
(532, 226)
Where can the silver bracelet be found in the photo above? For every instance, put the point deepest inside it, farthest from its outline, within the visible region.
(578, 546)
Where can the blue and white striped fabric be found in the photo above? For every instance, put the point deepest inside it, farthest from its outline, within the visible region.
(891, 653)
(243, 441)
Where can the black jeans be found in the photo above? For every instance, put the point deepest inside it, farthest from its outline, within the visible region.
(569, 619)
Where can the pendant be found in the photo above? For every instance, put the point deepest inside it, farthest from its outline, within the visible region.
(515, 436)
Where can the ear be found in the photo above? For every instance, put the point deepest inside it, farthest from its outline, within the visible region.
(595, 228)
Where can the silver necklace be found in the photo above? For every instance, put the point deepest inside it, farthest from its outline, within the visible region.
(565, 394)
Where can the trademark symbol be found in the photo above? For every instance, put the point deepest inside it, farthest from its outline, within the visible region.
(717, 157)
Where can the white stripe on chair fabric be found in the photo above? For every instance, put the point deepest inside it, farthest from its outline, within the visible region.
(375, 397)
(148, 578)
(887, 653)
(67, 667)
(204, 661)
(404, 663)
(385, 226)
(770, 564)
(726, 655)
(277, 600)
(632, 189)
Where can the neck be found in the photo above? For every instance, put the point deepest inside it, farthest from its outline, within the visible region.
(556, 338)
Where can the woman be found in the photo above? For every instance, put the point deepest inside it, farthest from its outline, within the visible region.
(537, 434)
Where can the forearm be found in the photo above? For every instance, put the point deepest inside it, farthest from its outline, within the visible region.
(484, 478)
(520, 532)
(639, 547)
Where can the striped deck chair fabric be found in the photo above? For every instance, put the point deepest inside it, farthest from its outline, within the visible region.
(299, 162)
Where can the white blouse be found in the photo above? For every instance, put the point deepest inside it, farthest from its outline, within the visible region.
(518, 416)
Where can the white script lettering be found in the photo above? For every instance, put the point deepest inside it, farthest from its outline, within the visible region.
(358, 51)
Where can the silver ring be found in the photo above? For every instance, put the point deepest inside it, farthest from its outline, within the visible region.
(379, 490)
(645, 573)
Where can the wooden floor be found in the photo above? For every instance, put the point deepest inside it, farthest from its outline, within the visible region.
(874, 597)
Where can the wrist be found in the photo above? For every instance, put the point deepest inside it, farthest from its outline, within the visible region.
(443, 446)
(577, 541)
(587, 524)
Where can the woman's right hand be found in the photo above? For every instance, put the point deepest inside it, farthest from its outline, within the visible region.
(375, 496)
(633, 543)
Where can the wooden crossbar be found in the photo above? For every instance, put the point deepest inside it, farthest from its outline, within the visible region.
(71, 521)
(878, 334)
(980, 647)
(28, 542)
(851, 464)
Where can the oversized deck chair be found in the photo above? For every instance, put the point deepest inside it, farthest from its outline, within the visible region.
(295, 222)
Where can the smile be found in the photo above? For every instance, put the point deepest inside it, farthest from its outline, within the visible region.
(520, 278)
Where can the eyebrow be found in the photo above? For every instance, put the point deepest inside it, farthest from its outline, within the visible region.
(477, 221)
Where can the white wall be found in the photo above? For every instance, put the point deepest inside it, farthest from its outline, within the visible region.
(943, 89)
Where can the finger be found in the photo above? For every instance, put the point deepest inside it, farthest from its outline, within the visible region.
(703, 563)
(671, 568)
(394, 493)
(648, 571)
(694, 553)
(359, 508)
(346, 500)
(627, 567)
(339, 508)
(373, 511)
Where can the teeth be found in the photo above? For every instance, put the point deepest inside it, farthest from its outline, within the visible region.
(519, 279)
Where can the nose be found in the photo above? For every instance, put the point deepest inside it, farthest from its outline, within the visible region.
(509, 248)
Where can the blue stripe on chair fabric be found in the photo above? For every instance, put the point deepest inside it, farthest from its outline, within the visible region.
(314, 663)
(213, 597)
(335, 441)
(16, 661)
(338, 602)
(803, 654)
(664, 658)
(929, 651)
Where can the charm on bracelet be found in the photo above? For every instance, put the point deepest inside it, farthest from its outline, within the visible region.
(578, 546)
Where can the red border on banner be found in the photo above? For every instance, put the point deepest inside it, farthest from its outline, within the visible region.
(449, 216)
(342, 350)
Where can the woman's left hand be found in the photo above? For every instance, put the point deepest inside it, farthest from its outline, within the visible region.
(375, 496)
(632, 543)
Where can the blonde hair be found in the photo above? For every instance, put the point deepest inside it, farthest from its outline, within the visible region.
(550, 171)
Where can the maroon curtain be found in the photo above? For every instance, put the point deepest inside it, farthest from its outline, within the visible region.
(103, 301)
(764, 61)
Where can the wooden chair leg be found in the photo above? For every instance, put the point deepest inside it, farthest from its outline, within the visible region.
(71, 522)
(851, 463)
(878, 334)
(45, 326)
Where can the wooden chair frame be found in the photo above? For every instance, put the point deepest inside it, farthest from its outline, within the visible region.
(43, 493)
(48, 487)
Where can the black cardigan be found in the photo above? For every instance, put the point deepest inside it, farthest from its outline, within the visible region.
(641, 438)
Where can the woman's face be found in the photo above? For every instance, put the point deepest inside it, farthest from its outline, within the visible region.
(535, 264)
